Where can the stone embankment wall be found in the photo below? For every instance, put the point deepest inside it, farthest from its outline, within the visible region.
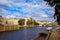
(8, 27)
(55, 35)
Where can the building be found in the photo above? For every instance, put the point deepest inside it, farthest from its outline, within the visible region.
(2, 20)
(12, 21)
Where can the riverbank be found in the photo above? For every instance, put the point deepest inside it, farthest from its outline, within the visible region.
(8, 27)
(13, 27)
(55, 34)
(17, 27)
(29, 26)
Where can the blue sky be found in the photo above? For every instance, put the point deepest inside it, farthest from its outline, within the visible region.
(36, 9)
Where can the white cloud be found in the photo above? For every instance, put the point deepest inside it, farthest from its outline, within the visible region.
(33, 9)
(10, 16)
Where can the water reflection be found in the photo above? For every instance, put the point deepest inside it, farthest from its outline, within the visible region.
(25, 34)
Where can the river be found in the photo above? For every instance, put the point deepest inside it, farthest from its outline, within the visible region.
(22, 34)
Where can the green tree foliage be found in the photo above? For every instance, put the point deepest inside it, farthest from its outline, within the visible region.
(55, 3)
(35, 23)
(29, 22)
(21, 21)
(32, 22)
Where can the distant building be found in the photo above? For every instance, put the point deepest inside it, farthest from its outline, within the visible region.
(12, 21)
(28, 18)
(2, 20)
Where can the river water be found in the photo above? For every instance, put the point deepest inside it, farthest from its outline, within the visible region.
(22, 34)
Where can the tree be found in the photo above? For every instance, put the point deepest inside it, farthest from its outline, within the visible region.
(21, 21)
(35, 23)
(55, 3)
(29, 22)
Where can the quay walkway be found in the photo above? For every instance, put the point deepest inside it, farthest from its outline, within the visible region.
(49, 35)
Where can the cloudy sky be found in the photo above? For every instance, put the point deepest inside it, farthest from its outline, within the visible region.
(36, 9)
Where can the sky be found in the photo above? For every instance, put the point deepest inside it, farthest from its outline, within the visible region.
(36, 9)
